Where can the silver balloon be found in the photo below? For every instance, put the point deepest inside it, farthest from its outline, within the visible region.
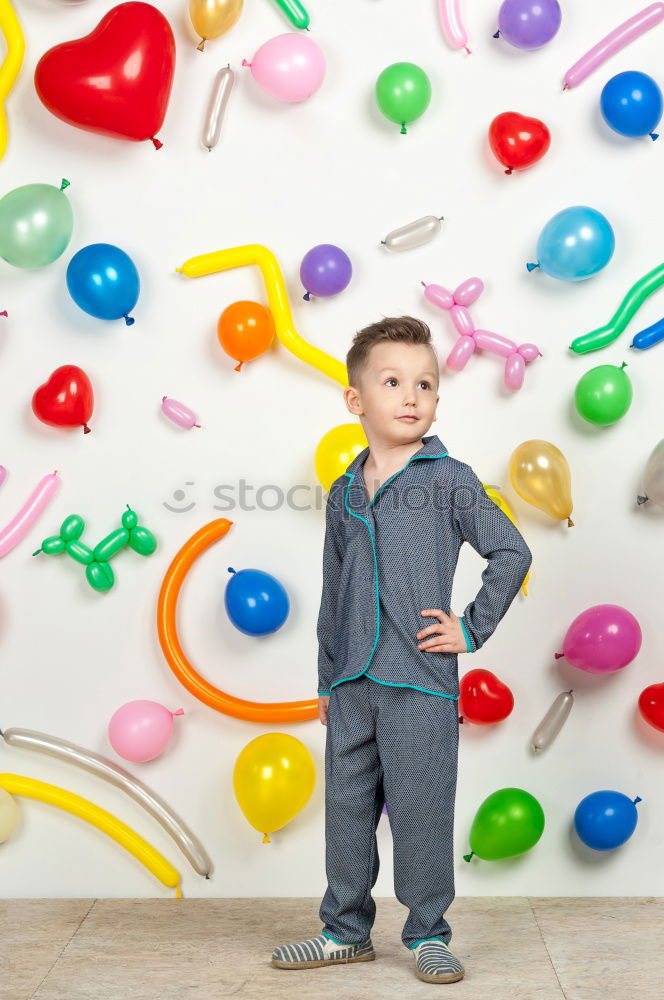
(415, 234)
(653, 477)
(27, 739)
(223, 84)
(553, 721)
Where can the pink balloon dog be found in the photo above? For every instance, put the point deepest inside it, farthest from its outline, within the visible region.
(470, 339)
(602, 639)
(452, 24)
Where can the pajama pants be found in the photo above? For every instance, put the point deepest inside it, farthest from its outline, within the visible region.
(399, 746)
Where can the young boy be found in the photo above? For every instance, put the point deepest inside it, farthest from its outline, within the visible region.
(388, 645)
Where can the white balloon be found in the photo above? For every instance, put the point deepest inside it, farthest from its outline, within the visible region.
(653, 477)
(553, 721)
(414, 234)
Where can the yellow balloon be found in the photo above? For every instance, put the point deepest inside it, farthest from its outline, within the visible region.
(273, 779)
(11, 30)
(254, 253)
(336, 450)
(540, 474)
(500, 501)
(212, 18)
(19, 784)
(8, 815)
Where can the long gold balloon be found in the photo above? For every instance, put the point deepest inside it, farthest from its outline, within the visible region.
(540, 474)
(212, 18)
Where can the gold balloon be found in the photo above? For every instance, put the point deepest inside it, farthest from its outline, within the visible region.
(212, 18)
(500, 501)
(540, 474)
(273, 779)
(336, 450)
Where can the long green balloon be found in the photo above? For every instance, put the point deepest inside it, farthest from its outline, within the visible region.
(632, 302)
(295, 12)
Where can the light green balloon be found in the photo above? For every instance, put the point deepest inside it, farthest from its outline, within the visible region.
(508, 822)
(36, 223)
(604, 394)
(403, 92)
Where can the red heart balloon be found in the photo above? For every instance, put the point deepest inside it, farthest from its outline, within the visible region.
(66, 400)
(116, 80)
(518, 141)
(651, 705)
(483, 698)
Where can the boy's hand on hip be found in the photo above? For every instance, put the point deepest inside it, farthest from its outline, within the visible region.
(323, 703)
(446, 636)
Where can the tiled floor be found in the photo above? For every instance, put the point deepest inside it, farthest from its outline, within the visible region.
(521, 948)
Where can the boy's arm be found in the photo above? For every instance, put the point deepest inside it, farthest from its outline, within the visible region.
(332, 557)
(491, 533)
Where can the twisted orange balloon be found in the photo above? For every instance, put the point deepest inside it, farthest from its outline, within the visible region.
(254, 253)
(251, 711)
(11, 30)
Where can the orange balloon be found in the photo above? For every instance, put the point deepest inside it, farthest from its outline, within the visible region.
(245, 330)
(240, 708)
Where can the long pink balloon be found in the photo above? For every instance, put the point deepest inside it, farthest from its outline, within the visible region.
(614, 42)
(19, 525)
(452, 24)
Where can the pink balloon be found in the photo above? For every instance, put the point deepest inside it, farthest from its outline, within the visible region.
(487, 340)
(438, 296)
(452, 24)
(21, 523)
(140, 730)
(290, 67)
(529, 352)
(462, 350)
(178, 413)
(3, 474)
(468, 291)
(462, 319)
(602, 639)
(614, 42)
(515, 368)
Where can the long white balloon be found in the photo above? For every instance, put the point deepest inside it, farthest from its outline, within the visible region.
(653, 477)
(553, 721)
(191, 847)
(221, 91)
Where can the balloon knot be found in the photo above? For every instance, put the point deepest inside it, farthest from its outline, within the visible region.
(654, 135)
(231, 570)
(467, 857)
(558, 655)
(509, 170)
(638, 799)
(129, 320)
(237, 367)
(157, 144)
(245, 63)
(468, 50)
(266, 839)
(180, 711)
(403, 128)
(65, 183)
(623, 365)
(201, 45)
(641, 500)
(4, 313)
(86, 429)
(306, 296)
(497, 34)
(37, 552)
(531, 267)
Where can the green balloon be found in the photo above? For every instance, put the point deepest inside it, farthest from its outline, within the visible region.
(100, 576)
(508, 822)
(72, 528)
(142, 541)
(111, 545)
(604, 394)
(403, 92)
(36, 223)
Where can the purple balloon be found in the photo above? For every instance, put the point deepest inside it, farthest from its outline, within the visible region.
(325, 270)
(528, 24)
(602, 639)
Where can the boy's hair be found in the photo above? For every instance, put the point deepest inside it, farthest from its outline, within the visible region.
(403, 329)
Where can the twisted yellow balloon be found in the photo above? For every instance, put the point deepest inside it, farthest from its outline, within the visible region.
(19, 784)
(500, 501)
(254, 253)
(9, 70)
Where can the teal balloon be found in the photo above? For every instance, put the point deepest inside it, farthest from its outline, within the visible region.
(575, 244)
(403, 92)
(604, 394)
(36, 223)
(508, 822)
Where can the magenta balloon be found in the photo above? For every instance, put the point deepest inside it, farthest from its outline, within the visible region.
(602, 639)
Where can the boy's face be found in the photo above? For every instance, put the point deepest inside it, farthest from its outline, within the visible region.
(398, 380)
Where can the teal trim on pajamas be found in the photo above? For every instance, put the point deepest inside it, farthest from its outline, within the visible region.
(466, 636)
(426, 690)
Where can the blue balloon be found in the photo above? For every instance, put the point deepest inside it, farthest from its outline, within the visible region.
(649, 337)
(575, 244)
(631, 104)
(256, 602)
(102, 279)
(606, 819)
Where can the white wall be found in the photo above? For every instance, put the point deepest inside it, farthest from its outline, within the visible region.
(330, 170)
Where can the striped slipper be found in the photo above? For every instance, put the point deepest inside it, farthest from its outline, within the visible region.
(435, 963)
(321, 950)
